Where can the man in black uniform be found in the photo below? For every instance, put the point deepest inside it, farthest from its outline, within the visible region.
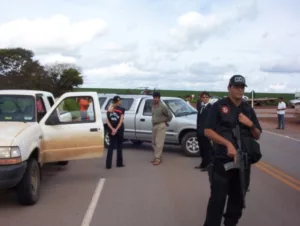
(203, 142)
(222, 118)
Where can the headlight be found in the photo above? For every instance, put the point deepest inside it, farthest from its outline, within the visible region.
(9, 152)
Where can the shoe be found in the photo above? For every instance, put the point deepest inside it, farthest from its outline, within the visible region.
(205, 168)
(121, 165)
(198, 167)
(157, 162)
(108, 167)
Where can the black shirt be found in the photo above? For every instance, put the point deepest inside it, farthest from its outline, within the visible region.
(202, 116)
(114, 117)
(222, 118)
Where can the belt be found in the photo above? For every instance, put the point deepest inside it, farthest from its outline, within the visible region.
(157, 123)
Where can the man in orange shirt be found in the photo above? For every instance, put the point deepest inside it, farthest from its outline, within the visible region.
(84, 104)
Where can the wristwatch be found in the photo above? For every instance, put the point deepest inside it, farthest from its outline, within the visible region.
(253, 126)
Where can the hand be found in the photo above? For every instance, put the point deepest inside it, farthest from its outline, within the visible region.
(245, 120)
(231, 151)
(114, 131)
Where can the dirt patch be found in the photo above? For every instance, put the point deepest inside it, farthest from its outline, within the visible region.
(292, 126)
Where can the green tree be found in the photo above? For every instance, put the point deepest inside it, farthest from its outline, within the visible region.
(18, 70)
(64, 77)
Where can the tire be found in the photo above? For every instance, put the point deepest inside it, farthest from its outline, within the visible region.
(136, 142)
(189, 144)
(28, 190)
(106, 138)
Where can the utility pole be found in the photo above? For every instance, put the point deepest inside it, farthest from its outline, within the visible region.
(252, 98)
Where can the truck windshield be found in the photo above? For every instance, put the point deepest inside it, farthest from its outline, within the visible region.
(17, 108)
(180, 108)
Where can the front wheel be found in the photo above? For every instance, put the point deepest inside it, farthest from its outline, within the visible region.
(28, 190)
(189, 144)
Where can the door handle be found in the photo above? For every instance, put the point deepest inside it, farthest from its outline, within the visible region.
(94, 129)
(142, 120)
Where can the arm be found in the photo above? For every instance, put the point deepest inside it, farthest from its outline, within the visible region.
(252, 123)
(121, 120)
(212, 135)
(108, 122)
(168, 113)
(209, 130)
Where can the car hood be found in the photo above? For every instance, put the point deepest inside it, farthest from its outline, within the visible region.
(294, 101)
(189, 119)
(9, 130)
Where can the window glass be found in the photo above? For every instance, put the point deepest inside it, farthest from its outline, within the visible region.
(17, 108)
(126, 103)
(180, 107)
(101, 101)
(148, 108)
(75, 109)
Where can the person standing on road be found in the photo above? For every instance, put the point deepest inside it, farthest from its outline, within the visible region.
(281, 112)
(204, 143)
(115, 118)
(188, 99)
(161, 116)
(223, 116)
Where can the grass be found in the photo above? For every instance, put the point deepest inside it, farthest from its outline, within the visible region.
(180, 93)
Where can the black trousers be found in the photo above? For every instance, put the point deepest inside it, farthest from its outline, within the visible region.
(115, 141)
(225, 185)
(205, 149)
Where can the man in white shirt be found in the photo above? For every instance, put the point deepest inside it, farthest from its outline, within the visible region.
(280, 112)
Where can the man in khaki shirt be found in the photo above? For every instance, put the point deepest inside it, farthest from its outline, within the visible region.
(161, 116)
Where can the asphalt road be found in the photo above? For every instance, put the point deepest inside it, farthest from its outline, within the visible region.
(173, 193)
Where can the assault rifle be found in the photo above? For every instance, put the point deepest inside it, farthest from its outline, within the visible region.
(241, 162)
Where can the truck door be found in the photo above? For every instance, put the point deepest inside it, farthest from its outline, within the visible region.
(69, 133)
(144, 121)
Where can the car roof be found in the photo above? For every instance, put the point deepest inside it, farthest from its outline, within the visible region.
(137, 96)
(24, 92)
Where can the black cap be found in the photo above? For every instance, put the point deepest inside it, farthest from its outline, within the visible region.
(116, 99)
(237, 80)
(156, 94)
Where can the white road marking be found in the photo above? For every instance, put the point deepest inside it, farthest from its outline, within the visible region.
(93, 204)
(276, 134)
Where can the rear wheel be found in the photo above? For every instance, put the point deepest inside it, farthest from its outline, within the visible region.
(28, 190)
(189, 144)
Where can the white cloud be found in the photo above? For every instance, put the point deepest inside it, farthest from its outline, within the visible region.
(170, 44)
(54, 33)
(194, 28)
(56, 58)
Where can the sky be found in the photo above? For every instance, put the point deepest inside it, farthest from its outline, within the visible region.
(163, 44)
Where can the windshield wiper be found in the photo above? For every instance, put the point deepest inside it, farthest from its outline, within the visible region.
(185, 114)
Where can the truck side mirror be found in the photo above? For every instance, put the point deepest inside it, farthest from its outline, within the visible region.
(53, 119)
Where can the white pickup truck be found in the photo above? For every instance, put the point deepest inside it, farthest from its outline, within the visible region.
(35, 130)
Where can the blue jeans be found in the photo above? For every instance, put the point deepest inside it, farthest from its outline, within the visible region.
(280, 121)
